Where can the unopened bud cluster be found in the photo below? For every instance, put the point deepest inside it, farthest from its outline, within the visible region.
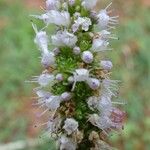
(75, 88)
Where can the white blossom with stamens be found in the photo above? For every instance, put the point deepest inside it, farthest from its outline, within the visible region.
(102, 122)
(64, 38)
(41, 39)
(67, 143)
(48, 59)
(55, 17)
(70, 125)
(104, 105)
(53, 125)
(42, 94)
(44, 79)
(104, 20)
(109, 87)
(106, 65)
(52, 5)
(88, 4)
(79, 76)
(92, 102)
(84, 22)
(99, 45)
(53, 102)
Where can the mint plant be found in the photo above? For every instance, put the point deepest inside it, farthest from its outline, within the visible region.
(75, 88)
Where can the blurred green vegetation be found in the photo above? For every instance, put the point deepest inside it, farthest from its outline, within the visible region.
(19, 60)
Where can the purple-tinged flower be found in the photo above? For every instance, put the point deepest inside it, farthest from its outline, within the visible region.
(106, 65)
(55, 17)
(99, 45)
(64, 38)
(104, 20)
(67, 143)
(93, 83)
(70, 125)
(87, 57)
(82, 22)
(71, 2)
(48, 59)
(59, 77)
(66, 96)
(88, 4)
(52, 4)
(76, 50)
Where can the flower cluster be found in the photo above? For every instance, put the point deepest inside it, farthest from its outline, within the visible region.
(75, 88)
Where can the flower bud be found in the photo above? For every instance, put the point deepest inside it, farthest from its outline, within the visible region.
(59, 77)
(66, 96)
(76, 50)
(71, 2)
(87, 57)
(106, 65)
(93, 83)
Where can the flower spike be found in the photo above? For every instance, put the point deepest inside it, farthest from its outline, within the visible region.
(76, 90)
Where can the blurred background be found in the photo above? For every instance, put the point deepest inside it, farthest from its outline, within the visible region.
(19, 60)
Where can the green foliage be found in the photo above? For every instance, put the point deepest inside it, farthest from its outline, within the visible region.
(66, 61)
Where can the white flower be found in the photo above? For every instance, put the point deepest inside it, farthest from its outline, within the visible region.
(84, 22)
(71, 2)
(53, 125)
(99, 45)
(87, 57)
(53, 102)
(44, 79)
(70, 125)
(105, 105)
(104, 34)
(42, 94)
(76, 50)
(89, 4)
(41, 39)
(55, 17)
(67, 143)
(52, 4)
(104, 20)
(93, 83)
(106, 65)
(109, 87)
(64, 38)
(92, 102)
(59, 77)
(103, 122)
(81, 75)
(66, 96)
(48, 59)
